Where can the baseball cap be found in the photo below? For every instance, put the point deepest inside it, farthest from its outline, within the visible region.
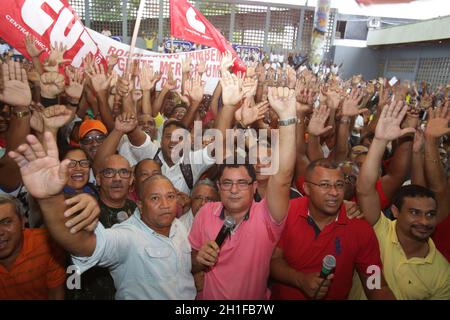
(89, 125)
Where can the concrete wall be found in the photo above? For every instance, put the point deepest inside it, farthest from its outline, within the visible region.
(357, 61)
(413, 52)
(366, 60)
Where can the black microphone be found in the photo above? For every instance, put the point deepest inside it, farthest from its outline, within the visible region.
(228, 225)
(328, 264)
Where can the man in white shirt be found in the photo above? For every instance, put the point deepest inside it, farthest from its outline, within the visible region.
(148, 255)
(203, 192)
(182, 175)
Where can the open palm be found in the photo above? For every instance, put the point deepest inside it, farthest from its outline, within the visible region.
(388, 127)
(318, 120)
(42, 173)
(15, 90)
(437, 125)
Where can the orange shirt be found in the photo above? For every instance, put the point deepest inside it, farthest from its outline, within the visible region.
(38, 267)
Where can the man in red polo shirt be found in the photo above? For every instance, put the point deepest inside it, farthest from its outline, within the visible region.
(316, 226)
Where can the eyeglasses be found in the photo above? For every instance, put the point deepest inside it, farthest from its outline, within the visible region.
(85, 163)
(89, 140)
(241, 185)
(340, 185)
(201, 198)
(110, 173)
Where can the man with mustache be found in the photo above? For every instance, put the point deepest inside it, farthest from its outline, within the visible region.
(413, 267)
(114, 179)
(148, 255)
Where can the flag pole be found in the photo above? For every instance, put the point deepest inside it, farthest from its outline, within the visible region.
(135, 34)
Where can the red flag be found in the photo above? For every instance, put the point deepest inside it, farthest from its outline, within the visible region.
(187, 23)
(48, 21)
(370, 2)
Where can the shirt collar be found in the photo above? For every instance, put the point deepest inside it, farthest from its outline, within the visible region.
(415, 260)
(341, 217)
(222, 214)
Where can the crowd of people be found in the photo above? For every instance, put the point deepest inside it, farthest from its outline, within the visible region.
(93, 179)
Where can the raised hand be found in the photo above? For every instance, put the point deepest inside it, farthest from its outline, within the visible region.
(37, 117)
(171, 83)
(282, 101)
(112, 61)
(76, 84)
(56, 116)
(333, 98)
(291, 77)
(186, 65)
(42, 173)
(123, 86)
(201, 67)
(231, 89)
(318, 120)
(388, 127)
(99, 80)
(438, 119)
(412, 118)
(260, 72)
(56, 57)
(147, 77)
(227, 61)
(251, 69)
(126, 122)
(32, 50)
(249, 87)
(86, 211)
(52, 84)
(194, 89)
(350, 105)
(248, 114)
(14, 88)
(305, 99)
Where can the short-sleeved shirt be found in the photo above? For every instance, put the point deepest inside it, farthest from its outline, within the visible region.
(384, 201)
(415, 278)
(242, 268)
(351, 241)
(441, 238)
(143, 263)
(38, 268)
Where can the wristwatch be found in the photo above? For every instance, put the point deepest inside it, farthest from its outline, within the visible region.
(287, 121)
(22, 114)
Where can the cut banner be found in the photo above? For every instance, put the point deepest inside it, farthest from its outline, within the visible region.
(53, 21)
(49, 21)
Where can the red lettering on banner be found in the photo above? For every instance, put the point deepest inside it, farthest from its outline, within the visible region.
(178, 69)
(111, 51)
(49, 21)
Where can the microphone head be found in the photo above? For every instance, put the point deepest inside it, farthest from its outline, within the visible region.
(229, 222)
(329, 262)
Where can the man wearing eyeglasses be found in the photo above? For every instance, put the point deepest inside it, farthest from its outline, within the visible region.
(317, 225)
(239, 269)
(204, 191)
(114, 180)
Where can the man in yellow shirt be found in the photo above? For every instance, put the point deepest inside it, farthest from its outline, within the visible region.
(412, 266)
